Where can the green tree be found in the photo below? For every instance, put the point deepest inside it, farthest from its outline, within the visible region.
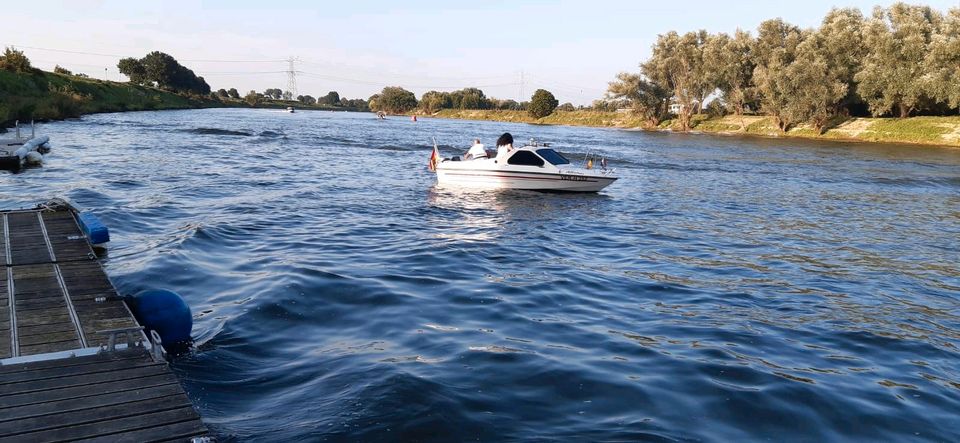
(645, 97)
(566, 107)
(61, 70)
(287, 95)
(773, 51)
(728, 64)
(306, 99)
(839, 41)
(233, 93)
(394, 100)
(273, 93)
(332, 98)
(943, 61)
(160, 68)
(432, 101)
(813, 92)
(222, 93)
(163, 71)
(892, 77)
(133, 69)
(542, 103)
(14, 60)
(508, 104)
(469, 98)
(677, 64)
(252, 98)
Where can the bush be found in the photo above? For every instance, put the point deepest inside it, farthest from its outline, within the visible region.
(61, 70)
(542, 103)
(13, 60)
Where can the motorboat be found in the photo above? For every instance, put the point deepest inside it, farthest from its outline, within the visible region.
(290, 109)
(535, 167)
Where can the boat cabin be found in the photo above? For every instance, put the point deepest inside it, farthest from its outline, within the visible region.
(536, 156)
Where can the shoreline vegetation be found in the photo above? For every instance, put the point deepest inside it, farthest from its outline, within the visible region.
(924, 130)
(158, 82)
(45, 96)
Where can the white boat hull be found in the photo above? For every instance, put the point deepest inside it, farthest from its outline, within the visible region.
(531, 168)
(533, 181)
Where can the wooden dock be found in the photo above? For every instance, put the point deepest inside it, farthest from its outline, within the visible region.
(60, 380)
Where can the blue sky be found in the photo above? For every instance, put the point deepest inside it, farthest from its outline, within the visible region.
(572, 48)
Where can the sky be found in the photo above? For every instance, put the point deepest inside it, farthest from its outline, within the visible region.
(506, 48)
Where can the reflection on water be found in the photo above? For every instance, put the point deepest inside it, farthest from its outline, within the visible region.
(724, 289)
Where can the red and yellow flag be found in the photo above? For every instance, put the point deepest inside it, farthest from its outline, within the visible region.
(434, 159)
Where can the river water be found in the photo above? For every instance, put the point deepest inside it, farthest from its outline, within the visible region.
(724, 289)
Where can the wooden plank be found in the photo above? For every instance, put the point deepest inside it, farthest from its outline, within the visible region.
(67, 241)
(93, 415)
(50, 337)
(181, 431)
(35, 302)
(42, 318)
(48, 384)
(137, 354)
(102, 428)
(27, 245)
(37, 375)
(9, 401)
(46, 329)
(5, 350)
(95, 401)
(44, 348)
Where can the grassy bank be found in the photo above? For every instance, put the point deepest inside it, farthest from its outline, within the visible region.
(44, 95)
(944, 131)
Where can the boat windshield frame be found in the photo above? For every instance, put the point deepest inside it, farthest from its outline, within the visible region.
(552, 156)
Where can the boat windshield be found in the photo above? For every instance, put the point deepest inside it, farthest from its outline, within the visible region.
(553, 157)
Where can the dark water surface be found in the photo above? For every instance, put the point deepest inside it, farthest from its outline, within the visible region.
(724, 289)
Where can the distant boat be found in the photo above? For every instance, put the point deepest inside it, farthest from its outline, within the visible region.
(290, 109)
(381, 115)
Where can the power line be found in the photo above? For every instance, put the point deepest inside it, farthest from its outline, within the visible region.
(382, 82)
(100, 54)
(242, 73)
(66, 51)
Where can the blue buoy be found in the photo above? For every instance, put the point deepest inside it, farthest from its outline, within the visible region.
(93, 228)
(165, 312)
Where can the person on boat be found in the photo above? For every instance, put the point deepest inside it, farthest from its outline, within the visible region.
(504, 145)
(476, 151)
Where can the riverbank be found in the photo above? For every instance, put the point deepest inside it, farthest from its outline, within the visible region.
(941, 131)
(41, 96)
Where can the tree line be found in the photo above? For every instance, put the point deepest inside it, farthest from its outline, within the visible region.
(161, 70)
(901, 61)
(395, 99)
(254, 98)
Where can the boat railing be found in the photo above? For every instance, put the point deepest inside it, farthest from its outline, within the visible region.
(33, 130)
